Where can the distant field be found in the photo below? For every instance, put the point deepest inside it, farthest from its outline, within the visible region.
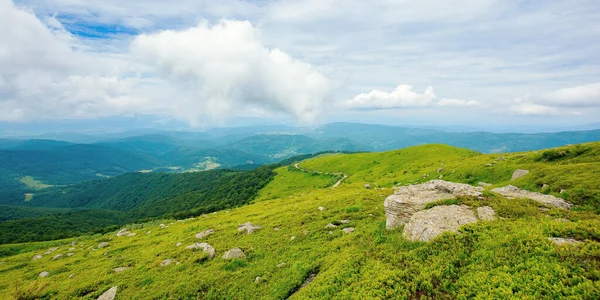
(33, 183)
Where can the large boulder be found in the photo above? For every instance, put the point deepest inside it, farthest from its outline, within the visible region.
(204, 247)
(110, 294)
(407, 200)
(234, 253)
(519, 173)
(510, 191)
(248, 227)
(428, 224)
(486, 213)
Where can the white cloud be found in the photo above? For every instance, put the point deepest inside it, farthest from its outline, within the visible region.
(530, 109)
(225, 67)
(457, 102)
(580, 96)
(402, 96)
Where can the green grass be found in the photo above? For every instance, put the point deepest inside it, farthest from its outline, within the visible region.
(510, 258)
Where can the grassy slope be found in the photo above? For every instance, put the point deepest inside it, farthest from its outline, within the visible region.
(509, 258)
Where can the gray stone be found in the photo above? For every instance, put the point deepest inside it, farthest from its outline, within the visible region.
(248, 227)
(58, 256)
(440, 170)
(348, 230)
(44, 274)
(51, 250)
(428, 224)
(73, 243)
(519, 173)
(367, 186)
(321, 208)
(120, 269)
(235, 253)
(110, 294)
(70, 254)
(257, 279)
(163, 226)
(489, 165)
(486, 213)
(123, 232)
(166, 262)
(276, 229)
(178, 244)
(206, 248)
(148, 232)
(131, 234)
(545, 186)
(328, 226)
(345, 221)
(204, 233)
(510, 191)
(407, 200)
(36, 257)
(292, 238)
(564, 241)
(103, 244)
(281, 265)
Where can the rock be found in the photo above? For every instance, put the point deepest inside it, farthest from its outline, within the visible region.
(563, 241)
(321, 208)
(510, 191)
(51, 250)
(206, 248)
(345, 221)
(71, 276)
(132, 234)
(483, 184)
(276, 229)
(281, 265)
(36, 257)
(292, 238)
(72, 249)
(120, 269)
(148, 232)
(103, 244)
(257, 279)
(440, 170)
(519, 173)
(367, 186)
(235, 253)
(489, 165)
(562, 191)
(248, 227)
(163, 226)
(178, 244)
(330, 226)
(123, 232)
(166, 262)
(44, 274)
(428, 224)
(204, 233)
(305, 232)
(73, 243)
(70, 254)
(501, 158)
(407, 200)
(109, 294)
(58, 256)
(486, 213)
(348, 230)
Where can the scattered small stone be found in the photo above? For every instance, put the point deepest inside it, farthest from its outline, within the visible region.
(178, 244)
(292, 238)
(123, 232)
(348, 230)
(58, 256)
(486, 213)
(367, 186)
(562, 191)
(489, 165)
(72, 248)
(132, 234)
(70, 254)
(103, 244)
(440, 170)
(163, 226)
(73, 243)
(206, 248)
(234, 253)
(345, 221)
(44, 274)
(37, 256)
(51, 250)
(519, 173)
(148, 232)
(305, 232)
(120, 269)
(483, 184)
(109, 294)
(166, 262)
(330, 226)
(248, 227)
(321, 208)
(281, 264)
(501, 158)
(564, 241)
(204, 233)
(276, 229)
(257, 280)
(71, 276)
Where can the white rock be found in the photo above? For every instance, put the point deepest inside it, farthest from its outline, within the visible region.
(348, 230)
(510, 191)
(70, 254)
(178, 244)
(58, 256)
(120, 269)
(51, 250)
(519, 173)
(248, 227)
(103, 244)
(321, 208)
(36, 257)
(345, 221)
(563, 241)
(123, 232)
(204, 233)
(206, 248)
(330, 226)
(292, 238)
(110, 294)
(428, 224)
(486, 213)
(235, 253)
(44, 274)
(166, 262)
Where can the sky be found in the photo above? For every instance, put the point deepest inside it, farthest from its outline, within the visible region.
(203, 63)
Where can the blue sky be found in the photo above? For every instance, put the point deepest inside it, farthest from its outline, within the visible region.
(483, 63)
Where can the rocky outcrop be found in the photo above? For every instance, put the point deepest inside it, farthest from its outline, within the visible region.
(407, 200)
(204, 233)
(563, 241)
(428, 224)
(518, 174)
(248, 227)
(235, 253)
(486, 213)
(110, 294)
(515, 192)
(204, 247)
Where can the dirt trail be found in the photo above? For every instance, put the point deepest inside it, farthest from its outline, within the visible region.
(344, 176)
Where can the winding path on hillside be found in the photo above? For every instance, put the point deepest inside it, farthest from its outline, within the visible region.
(344, 176)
